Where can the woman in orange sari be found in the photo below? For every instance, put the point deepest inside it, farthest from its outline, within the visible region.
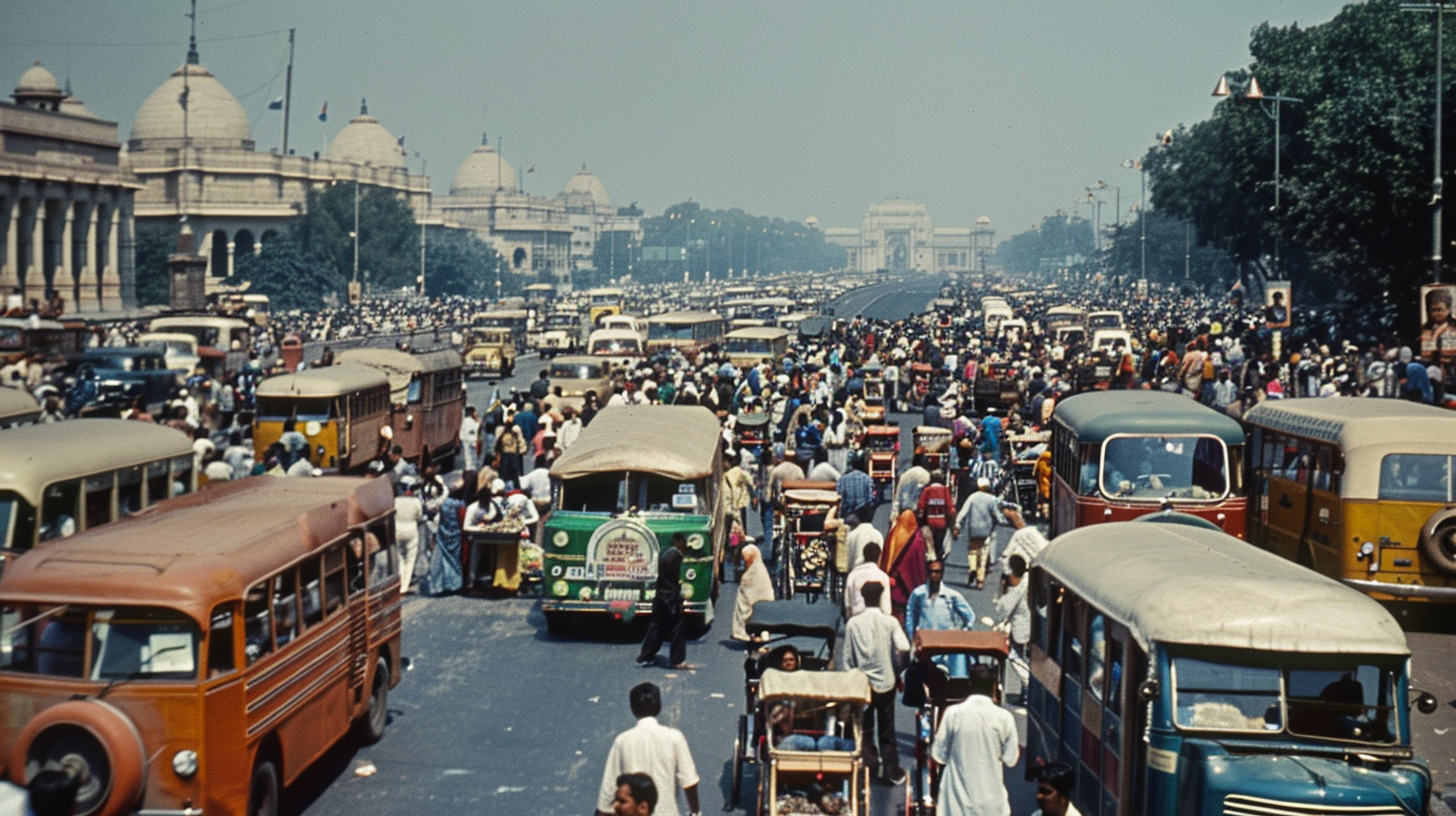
(903, 559)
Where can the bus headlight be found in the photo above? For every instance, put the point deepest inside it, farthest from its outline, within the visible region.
(560, 589)
(1366, 550)
(560, 538)
(184, 763)
(695, 541)
(687, 592)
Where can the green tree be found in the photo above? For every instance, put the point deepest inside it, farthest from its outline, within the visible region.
(1058, 242)
(290, 277)
(154, 243)
(1355, 157)
(1173, 250)
(388, 236)
(457, 262)
(701, 240)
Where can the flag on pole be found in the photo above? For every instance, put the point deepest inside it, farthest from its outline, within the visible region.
(276, 104)
(324, 114)
(532, 169)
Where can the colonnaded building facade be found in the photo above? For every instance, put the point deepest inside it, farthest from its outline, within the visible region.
(897, 235)
(72, 193)
(66, 201)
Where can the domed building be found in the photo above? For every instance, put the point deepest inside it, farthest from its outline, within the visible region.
(594, 221)
(191, 145)
(66, 202)
(365, 141)
(531, 233)
(897, 235)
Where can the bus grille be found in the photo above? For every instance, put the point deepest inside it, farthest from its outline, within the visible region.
(1240, 805)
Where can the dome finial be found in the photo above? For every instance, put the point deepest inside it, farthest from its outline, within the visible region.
(484, 139)
(192, 39)
(363, 107)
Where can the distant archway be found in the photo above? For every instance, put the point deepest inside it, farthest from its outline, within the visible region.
(244, 241)
(518, 257)
(219, 254)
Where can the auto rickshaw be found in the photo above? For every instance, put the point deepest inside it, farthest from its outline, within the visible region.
(938, 655)
(775, 626)
(809, 540)
(881, 445)
(752, 433)
(997, 388)
(809, 757)
(934, 444)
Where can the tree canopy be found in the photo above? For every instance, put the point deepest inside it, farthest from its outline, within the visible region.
(1355, 156)
(689, 238)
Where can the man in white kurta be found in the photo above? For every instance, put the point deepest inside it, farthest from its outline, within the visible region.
(976, 738)
(654, 749)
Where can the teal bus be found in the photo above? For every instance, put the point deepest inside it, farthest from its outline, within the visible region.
(635, 478)
(1180, 670)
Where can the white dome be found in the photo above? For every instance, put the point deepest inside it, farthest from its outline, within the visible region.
(214, 117)
(483, 173)
(587, 184)
(76, 107)
(38, 79)
(984, 220)
(38, 88)
(365, 141)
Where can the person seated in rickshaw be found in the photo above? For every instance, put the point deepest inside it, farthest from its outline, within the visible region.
(787, 723)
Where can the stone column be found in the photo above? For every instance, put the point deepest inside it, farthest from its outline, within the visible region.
(35, 282)
(123, 255)
(232, 247)
(63, 279)
(88, 295)
(10, 271)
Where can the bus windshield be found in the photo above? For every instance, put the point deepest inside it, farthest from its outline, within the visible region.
(1350, 701)
(1158, 467)
(132, 643)
(616, 345)
(575, 371)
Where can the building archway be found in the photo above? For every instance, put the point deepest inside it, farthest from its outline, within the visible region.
(218, 254)
(245, 242)
(518, 258)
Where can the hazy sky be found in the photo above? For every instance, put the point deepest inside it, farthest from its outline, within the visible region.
(1005, 109)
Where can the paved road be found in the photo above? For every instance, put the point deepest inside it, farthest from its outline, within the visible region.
(496, 717)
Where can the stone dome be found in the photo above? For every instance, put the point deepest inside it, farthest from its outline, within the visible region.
(76, 107)
(587, 184)
(38, 88)
(365, 141)
(984, 221)
(812, 222)
(215, 119)
(483, 173)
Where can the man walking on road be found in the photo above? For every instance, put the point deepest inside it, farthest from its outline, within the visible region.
(979, 515)
(976, 738)
(876, 645)
(668, 621)
(654, 749)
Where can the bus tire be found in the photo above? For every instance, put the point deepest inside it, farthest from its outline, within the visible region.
(697, 626)
(91, 736)
(264, 790)
(369, 728)
(1438, 541)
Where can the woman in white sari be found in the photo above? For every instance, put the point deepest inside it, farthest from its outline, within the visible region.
(754, 585)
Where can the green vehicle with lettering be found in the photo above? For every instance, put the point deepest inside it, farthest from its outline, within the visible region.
(635, 478)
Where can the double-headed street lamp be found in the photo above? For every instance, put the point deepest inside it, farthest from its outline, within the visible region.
(1253, 92)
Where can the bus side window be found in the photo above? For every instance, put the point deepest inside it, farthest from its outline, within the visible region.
(381, 560)
(181, 475)
(128, 491)
(257, 623)
(1072, 638)
(309, 580)
(285, 607)
(356, 557)
(1114, 674)
(335, 591)
(1087, 480)
(1097, 656)
(98, 499)
(220, 658)
(58, 510)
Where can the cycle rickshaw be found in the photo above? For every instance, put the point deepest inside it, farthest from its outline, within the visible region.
(881, 446)
(812, 631)
(874, 397)
(938, 655)
(810, 759)
(934, 445)
(809, 540)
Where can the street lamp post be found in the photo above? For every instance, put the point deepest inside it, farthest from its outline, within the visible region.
(1254, 92)
(1437, 185)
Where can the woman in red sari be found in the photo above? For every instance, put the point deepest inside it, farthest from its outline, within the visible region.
(903, 559)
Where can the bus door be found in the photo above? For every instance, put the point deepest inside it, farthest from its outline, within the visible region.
(1322, 529)
(1286, 496)
(224, 695)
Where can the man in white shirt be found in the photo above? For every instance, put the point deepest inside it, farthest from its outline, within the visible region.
(875, 644)
(654, 749)
(867, 571)
(470, 439)
(975, 739)
(860, 534)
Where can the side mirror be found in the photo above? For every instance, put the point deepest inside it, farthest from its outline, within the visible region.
(1425, 702)
(1148, 690)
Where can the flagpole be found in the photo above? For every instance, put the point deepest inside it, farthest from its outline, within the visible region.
(288, 92)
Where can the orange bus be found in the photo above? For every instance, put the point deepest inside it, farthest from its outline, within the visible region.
(202, 678)
(1117, 455)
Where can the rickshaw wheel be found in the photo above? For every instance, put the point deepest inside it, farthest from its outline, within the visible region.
(740, 744)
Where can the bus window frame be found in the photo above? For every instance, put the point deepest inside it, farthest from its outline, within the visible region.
(1230, 481)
